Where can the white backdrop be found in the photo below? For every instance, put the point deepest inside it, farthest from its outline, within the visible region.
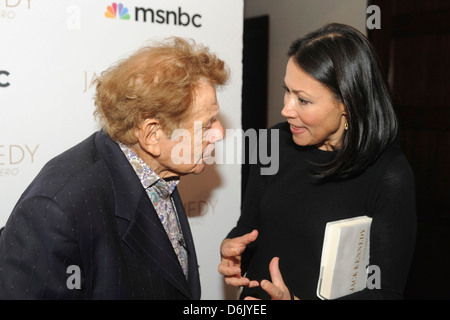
(49, 53)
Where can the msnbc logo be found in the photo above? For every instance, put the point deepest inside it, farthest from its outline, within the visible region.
(111, 11)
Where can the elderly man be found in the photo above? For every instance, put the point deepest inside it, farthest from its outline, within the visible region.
(104, 219)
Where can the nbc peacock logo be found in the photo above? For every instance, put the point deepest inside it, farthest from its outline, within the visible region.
(117, 10)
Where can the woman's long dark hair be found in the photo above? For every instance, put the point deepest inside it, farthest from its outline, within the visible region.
(342, 59)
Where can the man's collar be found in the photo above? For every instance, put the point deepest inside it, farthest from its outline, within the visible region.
(146, 175)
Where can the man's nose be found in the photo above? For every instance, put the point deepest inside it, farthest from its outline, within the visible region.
(216, 133)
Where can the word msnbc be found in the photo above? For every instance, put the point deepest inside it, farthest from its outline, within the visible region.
(177, 17)
(168, 17)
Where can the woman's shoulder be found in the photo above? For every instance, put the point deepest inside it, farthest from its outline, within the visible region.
(392, 166)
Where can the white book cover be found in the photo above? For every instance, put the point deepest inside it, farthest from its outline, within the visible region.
(345, 257)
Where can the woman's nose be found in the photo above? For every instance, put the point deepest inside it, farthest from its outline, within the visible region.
(288, 110)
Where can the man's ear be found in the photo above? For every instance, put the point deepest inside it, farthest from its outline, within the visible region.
(149, 135)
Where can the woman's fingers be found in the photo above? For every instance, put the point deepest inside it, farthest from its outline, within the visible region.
(235, 247)
(275, 273)
(277, 289)
(230, 265)
(274, 291)
(241, 282)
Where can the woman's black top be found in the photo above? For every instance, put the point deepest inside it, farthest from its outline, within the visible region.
(291, 208)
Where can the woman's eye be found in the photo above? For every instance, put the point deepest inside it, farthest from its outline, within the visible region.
(302, 101)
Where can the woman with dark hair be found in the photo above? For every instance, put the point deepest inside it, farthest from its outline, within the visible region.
(339, 158)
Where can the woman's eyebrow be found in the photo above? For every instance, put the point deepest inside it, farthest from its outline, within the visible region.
(296, 91)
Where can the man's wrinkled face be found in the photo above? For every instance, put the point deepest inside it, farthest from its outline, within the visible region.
(188, 147)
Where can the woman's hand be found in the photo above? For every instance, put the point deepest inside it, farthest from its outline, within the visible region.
(276, 289)
(230, 265)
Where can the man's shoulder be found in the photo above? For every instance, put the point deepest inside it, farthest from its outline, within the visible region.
(80, 165)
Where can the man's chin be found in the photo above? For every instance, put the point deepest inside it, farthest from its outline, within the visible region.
(199, 168)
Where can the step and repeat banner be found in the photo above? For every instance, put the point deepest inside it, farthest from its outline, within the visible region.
(50, 51)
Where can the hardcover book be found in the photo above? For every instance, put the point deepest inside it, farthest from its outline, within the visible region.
(345, 257)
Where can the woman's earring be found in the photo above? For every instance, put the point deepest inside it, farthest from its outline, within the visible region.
(346, 122)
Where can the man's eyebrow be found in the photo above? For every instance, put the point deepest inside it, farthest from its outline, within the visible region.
(211, 120)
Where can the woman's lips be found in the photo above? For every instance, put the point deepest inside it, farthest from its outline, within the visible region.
(297, 130)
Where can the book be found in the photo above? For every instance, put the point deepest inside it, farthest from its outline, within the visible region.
(345, 257)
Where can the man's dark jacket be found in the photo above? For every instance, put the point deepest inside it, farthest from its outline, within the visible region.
(87, 215)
